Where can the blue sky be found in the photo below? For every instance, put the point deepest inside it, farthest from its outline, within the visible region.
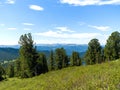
(58, 21)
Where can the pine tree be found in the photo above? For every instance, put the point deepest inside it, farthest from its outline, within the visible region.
(2, 72)
(52, 60)
(27, 55)
(61, 58)
(10, 70)
(44, 61)
(17, 67)
(112, 47)
(67, 60)
(41, 66)
(75, 59)
(93, 54)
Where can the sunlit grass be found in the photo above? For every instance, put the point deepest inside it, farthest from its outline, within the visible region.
(104, 76)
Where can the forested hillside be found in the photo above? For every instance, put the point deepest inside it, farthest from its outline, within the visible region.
(104, 76)
(8, 54)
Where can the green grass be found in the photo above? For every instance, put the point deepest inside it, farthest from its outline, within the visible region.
(104, 76)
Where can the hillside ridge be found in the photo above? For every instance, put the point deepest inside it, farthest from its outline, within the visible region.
(92, 77)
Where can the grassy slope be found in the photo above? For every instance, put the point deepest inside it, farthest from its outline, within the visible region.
(96, 77)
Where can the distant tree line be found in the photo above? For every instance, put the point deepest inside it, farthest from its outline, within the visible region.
(32, 63)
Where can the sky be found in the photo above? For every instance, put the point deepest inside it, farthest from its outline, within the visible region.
(58, 21)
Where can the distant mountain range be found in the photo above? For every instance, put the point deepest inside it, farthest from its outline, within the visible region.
(68, 47)
(10, 52)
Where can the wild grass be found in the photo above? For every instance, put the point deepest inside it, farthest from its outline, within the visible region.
(104, 76)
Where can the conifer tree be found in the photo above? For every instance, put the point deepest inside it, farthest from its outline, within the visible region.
(27, 55)
(17, 67)
(61, 58)
(41, 66)
(52, 60)
(2, 72)
(10, 70)
(112, 47)
(75, 59)
(93, 54)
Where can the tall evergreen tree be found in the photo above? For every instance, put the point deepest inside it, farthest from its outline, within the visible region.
(41, 66)
(112, 47)
(52, 60)
(10, 70)
(93, 54)
(75, 59)
(61, 58)
(44, 61)
(67, 61)
(2, 72)
(102, 55)
(17, 67)
(27, 55)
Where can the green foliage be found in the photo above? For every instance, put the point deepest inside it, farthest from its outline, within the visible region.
(41, 66)
(75, 59)
(112, 48)
(52, 60)
(104, 76)
(17, 67)
(31, 62)
(2, 72)
(27, 56)
(61, 58)
(10, 71)
(93, 54)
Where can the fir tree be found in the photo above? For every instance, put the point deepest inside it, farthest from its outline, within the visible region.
(112, 47)
(17, 67)
(2, 72)
(52, 60)
(10, 70)
(27, 55)
(41, 66)
(61, 58)
(75, 59)
(93, 54)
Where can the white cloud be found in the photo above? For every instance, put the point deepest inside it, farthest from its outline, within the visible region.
(10, 1)
(2, 24)
(27, 29)
(91, 2)
(36, 7)
(28, 24)
(51, 37)
(63, 29)
(68, 36)
(101, 28)
(56, 34)
(12, 28)
(8, 42)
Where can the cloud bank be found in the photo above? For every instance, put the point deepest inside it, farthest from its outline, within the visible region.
(90, 2)
(66, 35)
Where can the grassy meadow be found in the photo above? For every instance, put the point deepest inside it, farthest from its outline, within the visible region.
(104, 76)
